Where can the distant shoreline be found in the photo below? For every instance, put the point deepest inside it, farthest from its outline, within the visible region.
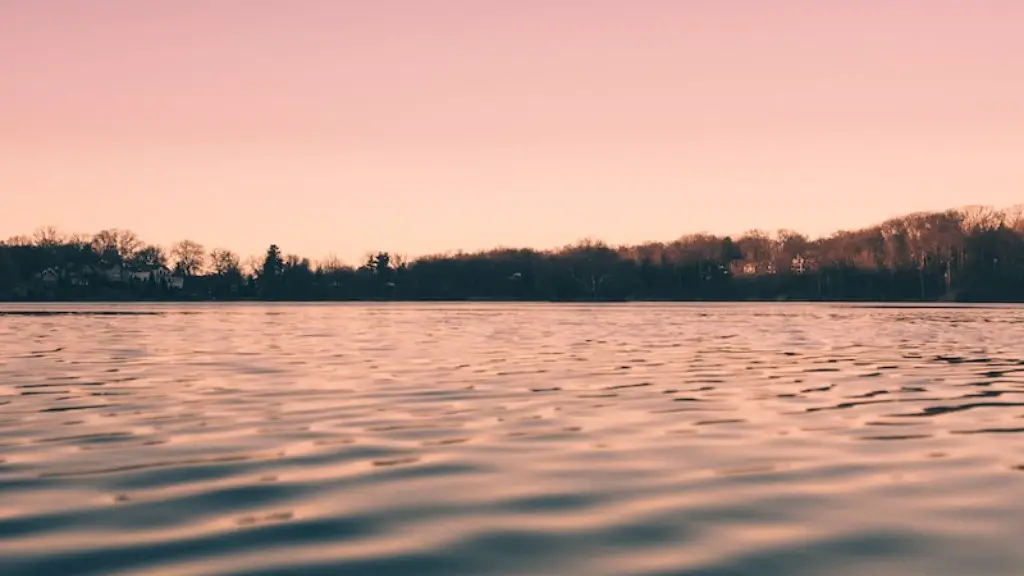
(973, 255)
(879, 304)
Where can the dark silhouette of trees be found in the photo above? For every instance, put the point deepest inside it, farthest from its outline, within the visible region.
(47, 237)
(270, 273)
(189, 257)
(297, 278)
(225, 263)
(149, 258)
(226, 279)
(115, 246)
(972, 254)
(273, 264)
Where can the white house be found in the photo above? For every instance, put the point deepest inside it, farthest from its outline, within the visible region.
(160, 276)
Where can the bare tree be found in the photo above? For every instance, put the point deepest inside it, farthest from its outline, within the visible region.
(1014, 217)
(331, 264)
(758, 249)
(591, 263)
(293, 261)
(18, 241)
(78, 240)
(254, 266)
(225, 263)
(116, 246)
(189, 257)
(48, 237)
(149, 258)
(979, 218)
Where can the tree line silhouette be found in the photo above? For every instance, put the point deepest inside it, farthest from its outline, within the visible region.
(973, 254)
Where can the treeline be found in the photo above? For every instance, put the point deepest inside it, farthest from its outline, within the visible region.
(971, 254)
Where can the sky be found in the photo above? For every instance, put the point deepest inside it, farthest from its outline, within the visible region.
(423, 126)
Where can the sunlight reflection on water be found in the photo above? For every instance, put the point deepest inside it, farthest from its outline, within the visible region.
(511, 439)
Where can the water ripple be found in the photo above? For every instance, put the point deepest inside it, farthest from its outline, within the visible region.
(497, 439)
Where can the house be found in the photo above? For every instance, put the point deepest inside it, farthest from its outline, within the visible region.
(744, 268)
(141, 276)
(156, 275)
(176, 282)
(802, 265)
(52, 276)
(161, 275)
(749, 268)
(116, 273)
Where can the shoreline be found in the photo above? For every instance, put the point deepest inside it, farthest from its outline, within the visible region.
(859, 303)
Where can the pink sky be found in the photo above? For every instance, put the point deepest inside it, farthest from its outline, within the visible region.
(418, 126)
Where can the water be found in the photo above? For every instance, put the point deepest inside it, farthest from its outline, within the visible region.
(511, 439)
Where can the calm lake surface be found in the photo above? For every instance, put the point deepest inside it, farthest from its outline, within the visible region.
(511, 439)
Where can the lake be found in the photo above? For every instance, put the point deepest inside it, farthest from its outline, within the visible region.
(482, 439)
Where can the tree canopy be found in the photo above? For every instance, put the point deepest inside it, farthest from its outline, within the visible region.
(971, 254)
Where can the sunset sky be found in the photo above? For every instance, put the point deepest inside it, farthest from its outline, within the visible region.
(419, 126)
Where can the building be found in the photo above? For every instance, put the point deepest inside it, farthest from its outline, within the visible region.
(116, 273)
(161, 275)
(749, 268)
(802, 265)
(53, 276)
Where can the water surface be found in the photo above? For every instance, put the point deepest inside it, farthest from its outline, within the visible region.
(511, 439)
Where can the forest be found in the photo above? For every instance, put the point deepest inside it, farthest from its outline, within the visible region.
(972, 254)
